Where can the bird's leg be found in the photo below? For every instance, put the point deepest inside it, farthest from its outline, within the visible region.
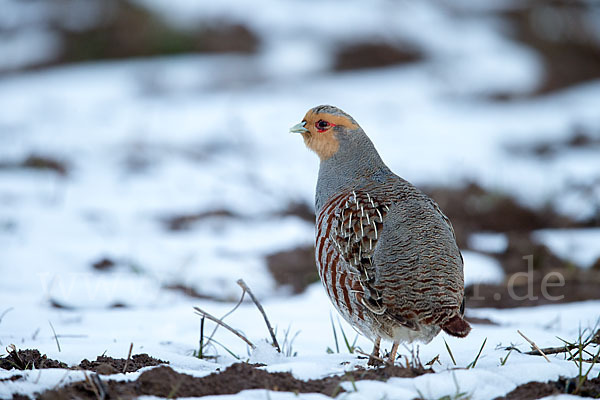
(374, 359)
(392, 356)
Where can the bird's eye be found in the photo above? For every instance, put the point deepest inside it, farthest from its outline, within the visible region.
(322, 125)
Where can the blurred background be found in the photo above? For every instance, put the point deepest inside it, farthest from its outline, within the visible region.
(145, 156)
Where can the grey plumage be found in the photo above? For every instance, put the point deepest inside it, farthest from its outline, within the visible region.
(386, 253)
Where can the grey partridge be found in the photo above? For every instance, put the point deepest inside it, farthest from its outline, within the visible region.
(385, 252)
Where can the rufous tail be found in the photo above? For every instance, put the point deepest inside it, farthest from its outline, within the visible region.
(457, 326)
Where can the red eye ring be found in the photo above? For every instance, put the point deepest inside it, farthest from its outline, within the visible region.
(323, 125)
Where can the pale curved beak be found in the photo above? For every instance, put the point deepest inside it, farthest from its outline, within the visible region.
(299, 128)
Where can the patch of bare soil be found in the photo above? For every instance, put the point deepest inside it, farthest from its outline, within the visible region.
(12, 378)
(38, 162)
(538, 290)
(546, 279)
(579, 139)
(122, 29)
(538, 390)
(107, 365)
(374, 54)
(299, 209)
(294, 268)
(104, 264)
(183, 222)
(563, 33)
(31, 358)
(165, 382)
(472, 208)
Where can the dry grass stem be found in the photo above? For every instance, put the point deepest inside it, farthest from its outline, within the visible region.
(96, 386)
(128, 358)
(216, 320)
(370, 355)
(262, 311)
(55, 337)
(533, 345)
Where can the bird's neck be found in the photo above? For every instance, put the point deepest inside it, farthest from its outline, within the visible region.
(349, 169)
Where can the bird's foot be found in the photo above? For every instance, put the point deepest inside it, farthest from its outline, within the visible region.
(392, 356)
(375, 361)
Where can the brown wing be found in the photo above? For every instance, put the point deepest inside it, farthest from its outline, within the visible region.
(357, 226)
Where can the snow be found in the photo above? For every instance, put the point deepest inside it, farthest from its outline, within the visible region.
(488, 242)
(479, 268)
(577, 245)
(149, 139)
(169, 330)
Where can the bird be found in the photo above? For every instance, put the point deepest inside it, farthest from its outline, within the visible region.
(385, 252)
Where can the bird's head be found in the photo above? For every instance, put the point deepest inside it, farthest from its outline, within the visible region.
(325, 128)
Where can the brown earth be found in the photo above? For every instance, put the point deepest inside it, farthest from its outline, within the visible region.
(38, 162)
(183, 222)
(563, 34)
(165, 382)
(12, 378)
(371, 54)
(107, 365)
(104, 264)
(123, 29)
(29, 359)
(579, 139)
(550, 280)
(538, 390)
(577, 286)
(294, 268)
(299, 209)
(472, 208)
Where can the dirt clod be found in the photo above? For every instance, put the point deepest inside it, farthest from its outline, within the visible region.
(183, 222)
(38, 162)
(29, 359)
(107, 365)
(294, 268)
(374, 54)
(299, 209)
(12, 378)
(104, 264)
(537, 390)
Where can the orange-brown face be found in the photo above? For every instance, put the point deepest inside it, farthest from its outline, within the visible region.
(317, 129)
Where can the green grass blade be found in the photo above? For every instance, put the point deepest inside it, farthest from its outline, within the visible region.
(337, 346)
(450, 352)
(474, 363)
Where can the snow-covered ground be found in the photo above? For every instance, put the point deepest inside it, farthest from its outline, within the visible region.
(169, 330)
(149, 139)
